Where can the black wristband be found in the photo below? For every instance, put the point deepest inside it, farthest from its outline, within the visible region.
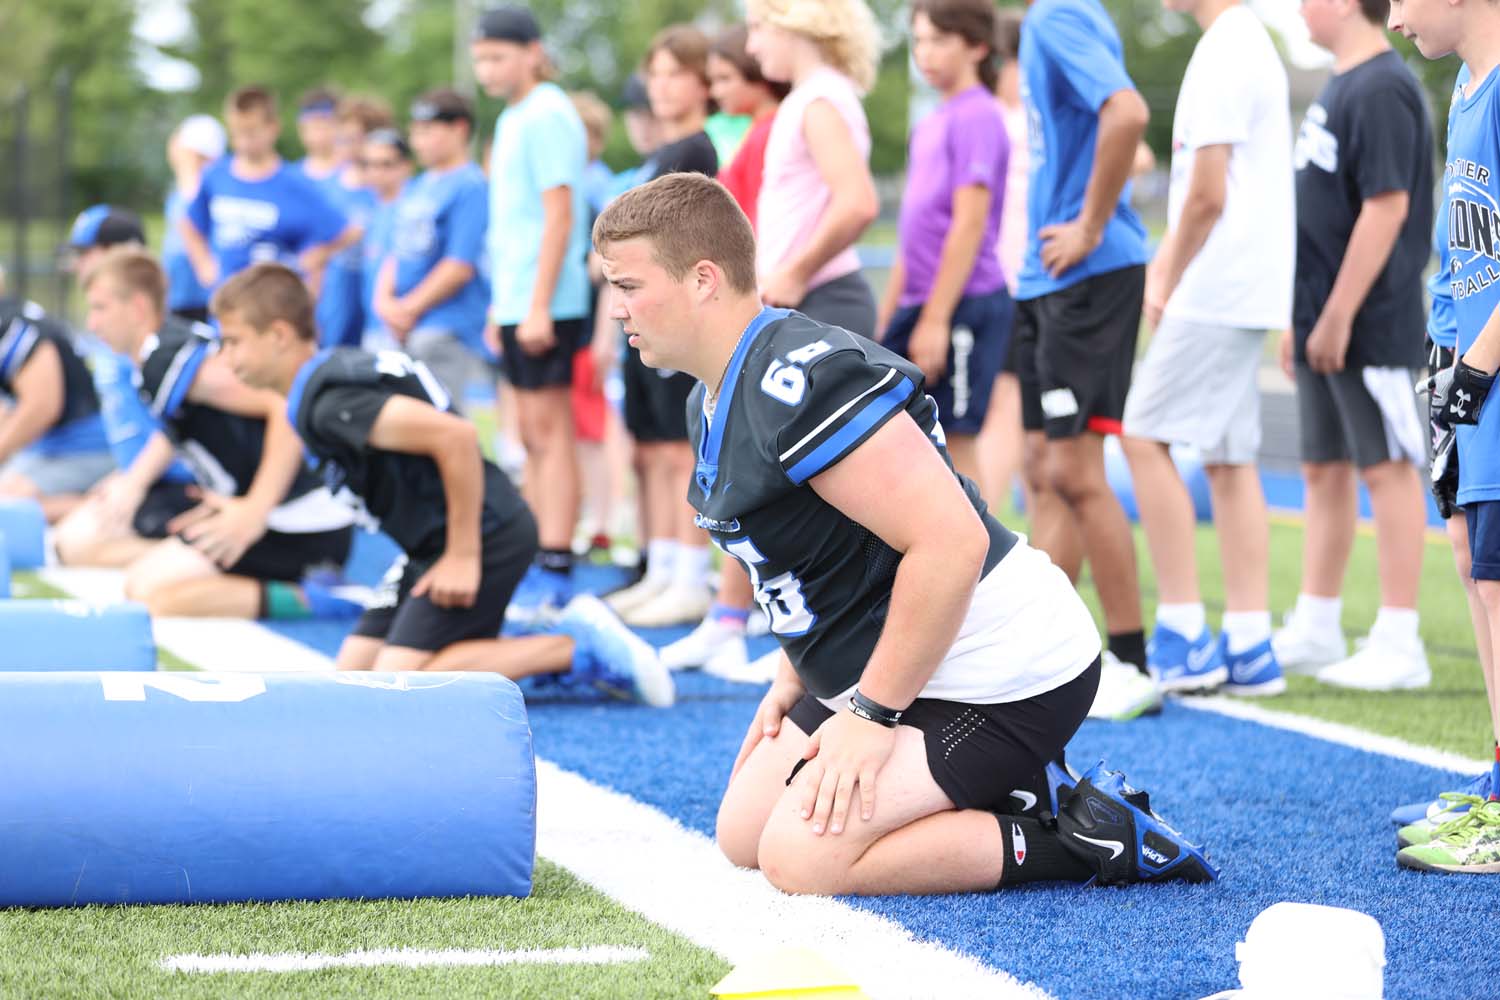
(873, 711)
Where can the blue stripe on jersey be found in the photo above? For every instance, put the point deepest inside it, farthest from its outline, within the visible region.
(299, 386)
(21, 333)
(713, 430)
(176, 393)
(831, 450)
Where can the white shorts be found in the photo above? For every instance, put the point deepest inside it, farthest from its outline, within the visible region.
(1197, 386)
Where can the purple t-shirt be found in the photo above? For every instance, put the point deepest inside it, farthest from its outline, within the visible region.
(963, 142)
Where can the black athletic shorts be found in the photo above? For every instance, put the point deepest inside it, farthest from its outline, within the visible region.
(162, 502)
(194, 314)
(289, 557)
(978, 339)
(979, 753)
(551, 370)
(655, 401)
(399, 619)
(1075, 349)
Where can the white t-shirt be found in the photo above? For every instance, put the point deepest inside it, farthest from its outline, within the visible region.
(1235, 93)
(1026, 633)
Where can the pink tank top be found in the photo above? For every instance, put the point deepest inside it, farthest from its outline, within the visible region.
(793, 195)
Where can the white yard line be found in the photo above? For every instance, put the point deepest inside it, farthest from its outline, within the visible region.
(1334, 732)
(407, 958)
(677, 878)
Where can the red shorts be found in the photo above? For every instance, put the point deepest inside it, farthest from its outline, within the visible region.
(589, 406)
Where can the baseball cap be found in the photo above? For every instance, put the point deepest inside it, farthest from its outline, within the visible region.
(105, 226)
(635, 96)
(442, 106)
(507, 24)
(203, 135)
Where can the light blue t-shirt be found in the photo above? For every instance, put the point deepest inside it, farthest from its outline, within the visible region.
(1442, 322)
(183, 289)
(275, 219)
(441, 216)
(1471, 192)
(540, 144)
(1071, 63)
(379, 228)
(340, 313)
(128, 424)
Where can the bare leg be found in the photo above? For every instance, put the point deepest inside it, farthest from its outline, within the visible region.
(1398, 501)
(358, 652)
(526, 656)
(84, 539)
(1458, 534)
(1332, 509)
(964, 450)
(552, 481)
(1075, 467)
(734, 585)
(175, 579)
(1244, 535)
(1000, 440)
(1052, 527)
(1167, 517)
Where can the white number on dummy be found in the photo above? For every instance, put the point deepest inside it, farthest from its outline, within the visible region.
(780, 596)
(221, 688)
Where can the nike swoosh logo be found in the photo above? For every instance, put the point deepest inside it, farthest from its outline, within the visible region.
(1244, 671)
(1198, 658)
(1116, 848)
(1028, 800)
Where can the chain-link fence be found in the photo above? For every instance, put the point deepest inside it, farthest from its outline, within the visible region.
(35, 191)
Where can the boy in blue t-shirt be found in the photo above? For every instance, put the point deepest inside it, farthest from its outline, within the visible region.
(1078, 311)
(427, 292)
(254, 207)
(385, 161)
(1466, 837)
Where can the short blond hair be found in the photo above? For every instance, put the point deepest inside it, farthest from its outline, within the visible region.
(844, 29)
(596, 115)
(134, 272)
(687, 217)
(263, 293)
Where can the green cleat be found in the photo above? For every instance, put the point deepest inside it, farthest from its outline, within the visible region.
(1467, 844)
(1424, 830)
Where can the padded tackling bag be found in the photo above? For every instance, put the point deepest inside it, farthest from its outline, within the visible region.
(198, 788)
(4, 568)
(25, 531)
(75, 635)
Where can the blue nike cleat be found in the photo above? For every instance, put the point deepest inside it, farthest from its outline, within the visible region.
(1180, 665)
(540, 597)
(1481, 786)
(1111, 827)
(326, 601)
(1059, 778)
(611, 658)
(1253, 673)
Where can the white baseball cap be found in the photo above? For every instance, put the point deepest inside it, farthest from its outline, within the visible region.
(203, 135)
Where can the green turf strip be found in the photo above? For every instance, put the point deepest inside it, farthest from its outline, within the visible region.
(114, 951)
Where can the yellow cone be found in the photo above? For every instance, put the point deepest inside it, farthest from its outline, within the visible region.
(788, 972)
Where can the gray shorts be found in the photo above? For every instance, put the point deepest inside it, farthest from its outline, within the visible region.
(60, 475)
(1197, 386)
(448, 358)
(1362, 415)
(846, 301)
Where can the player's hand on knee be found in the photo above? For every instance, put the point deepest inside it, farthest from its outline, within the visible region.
(767, 722)
(220, 527)
(845, 756)
(452, 582)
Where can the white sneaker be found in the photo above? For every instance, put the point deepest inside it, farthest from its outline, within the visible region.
(761, 670)
(1381, 663)
(674, 604)
(1301, 649)
(713, 645)
(1124, 692)
(635, 595)
(757, 624)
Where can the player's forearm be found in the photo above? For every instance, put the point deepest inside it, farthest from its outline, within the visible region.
(1182, 244)
(1484, 353)
(851, 209)
(1370, 245)
(960, 251)
(442, 283)
(462, 471)
(1122, 122)
(24, 425)
(151, 463)
(557, 227)
(280, 460)
(929, 600)
(200, 255)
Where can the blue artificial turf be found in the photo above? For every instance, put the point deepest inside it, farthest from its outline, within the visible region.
(1287, 816)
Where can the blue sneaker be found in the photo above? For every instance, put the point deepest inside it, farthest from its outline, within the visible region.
(1110, 826)
(325, 601)
(1031, 801)
(1253, 673)
(612, 658)
(1480, 786)
(540, 597)
(1180, 665)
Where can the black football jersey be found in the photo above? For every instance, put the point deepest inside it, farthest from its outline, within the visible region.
(222, 449)
(24, 325)
(799, 396)
(333, 405)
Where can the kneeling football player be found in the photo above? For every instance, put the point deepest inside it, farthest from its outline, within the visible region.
(934, 663)
(384, 435)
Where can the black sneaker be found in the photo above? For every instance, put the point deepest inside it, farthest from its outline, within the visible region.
(1110, 826)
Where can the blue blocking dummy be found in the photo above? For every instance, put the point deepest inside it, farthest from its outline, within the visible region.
(216, 788)
(4, 569)
(25, 531)
(74, 635)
